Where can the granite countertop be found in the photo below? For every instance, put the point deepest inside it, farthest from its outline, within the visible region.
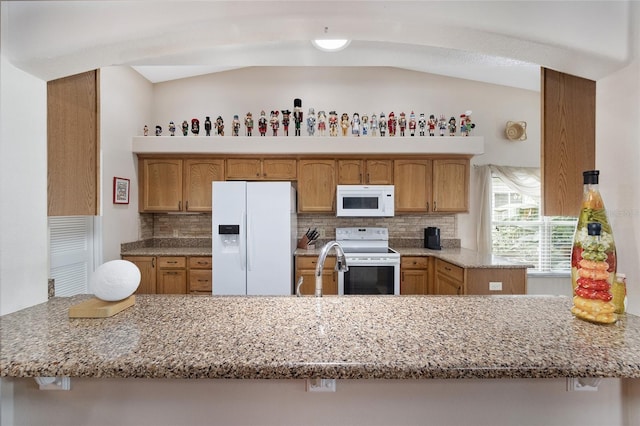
(462, 257)
(348, 337)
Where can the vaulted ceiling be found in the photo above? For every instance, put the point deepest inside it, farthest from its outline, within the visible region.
(501, 42)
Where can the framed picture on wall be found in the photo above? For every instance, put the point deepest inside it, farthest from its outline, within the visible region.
(120, 190)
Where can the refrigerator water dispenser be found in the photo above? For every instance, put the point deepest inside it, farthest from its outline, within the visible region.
(230, 238)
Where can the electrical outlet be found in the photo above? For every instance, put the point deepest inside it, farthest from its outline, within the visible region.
(321, 385)
(495, 285)
(581, 384)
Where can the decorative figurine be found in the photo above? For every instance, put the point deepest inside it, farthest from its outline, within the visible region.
(383, 125)
(344, 123)
(158, 130)
(365, 125)
(248, 123)
(185, 128)
(374, 125)
(207, 126)
(297, 114)
(442, 124)
(422, 123)
(465, 124)
(311, 122)
(392, 123)
(412, 124)
(333, 123)
(452, 126)
(402, 123)
(172, 128)
(220, 126)
(431, 124)
(262, 123)
(145, 130)
(195, 126)
(355, 124)
(235, 125)
(275, 123)
(322, 122)
(285, 121)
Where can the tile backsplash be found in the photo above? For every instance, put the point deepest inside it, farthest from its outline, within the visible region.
(404, 230)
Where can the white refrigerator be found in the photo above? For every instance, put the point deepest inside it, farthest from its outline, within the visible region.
(254, 238)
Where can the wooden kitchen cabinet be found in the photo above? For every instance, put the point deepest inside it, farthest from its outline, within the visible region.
(414, 275)
(412, 180)
(316, 186)
(365, 172)
(431, 186)
(200, 275)
(162, 189)
(450, 185)
(261, 169)
(172, 275)
(448, 278)
(452, 279)
(306, 268)
(147, 267)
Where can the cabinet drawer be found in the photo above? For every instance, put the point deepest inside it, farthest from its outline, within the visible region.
(310, 262)
(200, 281)
(200, 262)
(414, 262)
(453, 271)
(172, 262)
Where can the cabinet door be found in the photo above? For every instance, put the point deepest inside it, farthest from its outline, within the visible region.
(172, 281)
(200, 281)
(316, 186)
(198, 175)
(161, 188)
(448, 286)
(451, 185)
(412, 179)
(413, 281)
(379, 172)
(244, 168)
(147, 266)
(350, 172)
(305, 268)
(279, 169)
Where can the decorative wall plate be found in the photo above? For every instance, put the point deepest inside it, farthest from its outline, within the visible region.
(516, 130)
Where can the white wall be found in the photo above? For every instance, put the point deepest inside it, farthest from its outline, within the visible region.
(23, 190)
(125, 102)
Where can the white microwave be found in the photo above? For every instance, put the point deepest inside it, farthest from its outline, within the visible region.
(365, 200)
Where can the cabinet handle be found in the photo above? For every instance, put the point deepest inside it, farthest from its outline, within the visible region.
(171, 273)
(427, 206)
(186, 205)
(446, 268)
(203, 263)
(172, 261)
(435, 207)
(153, 262)
(368, 178)
(203, 281)
(459, 290)
(402, 279)
(179, 205)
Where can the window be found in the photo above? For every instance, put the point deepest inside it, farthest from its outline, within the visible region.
(519, 233)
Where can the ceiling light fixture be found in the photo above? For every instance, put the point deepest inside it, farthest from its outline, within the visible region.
(330, 45)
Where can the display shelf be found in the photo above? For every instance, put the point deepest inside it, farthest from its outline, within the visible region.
(471, 145)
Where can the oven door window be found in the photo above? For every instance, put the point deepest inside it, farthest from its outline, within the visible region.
(369, 280)
(360, 203)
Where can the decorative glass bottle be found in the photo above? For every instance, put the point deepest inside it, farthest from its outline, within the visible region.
(593, 257)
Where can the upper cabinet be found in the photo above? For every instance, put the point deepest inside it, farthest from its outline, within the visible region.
(568, 140)
(175, 185)
(316, 186)
(261, 169)
(412, 180)
(451, 185)
(73, 172)
(365, 172)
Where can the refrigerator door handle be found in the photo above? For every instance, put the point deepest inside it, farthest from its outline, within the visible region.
(242, 243)
(250, 243)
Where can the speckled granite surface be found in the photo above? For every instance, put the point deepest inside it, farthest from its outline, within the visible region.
(352, 337)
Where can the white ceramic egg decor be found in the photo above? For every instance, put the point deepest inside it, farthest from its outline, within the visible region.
(115, 280)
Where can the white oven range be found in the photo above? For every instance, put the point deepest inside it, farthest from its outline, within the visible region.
(374, 268)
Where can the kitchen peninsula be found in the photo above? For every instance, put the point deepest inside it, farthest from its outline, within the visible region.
(351, 337)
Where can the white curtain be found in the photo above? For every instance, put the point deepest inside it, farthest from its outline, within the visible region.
(525, 180)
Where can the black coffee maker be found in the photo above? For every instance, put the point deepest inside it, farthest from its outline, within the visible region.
(432, 238)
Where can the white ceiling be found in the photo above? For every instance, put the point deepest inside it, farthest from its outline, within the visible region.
(501, 42)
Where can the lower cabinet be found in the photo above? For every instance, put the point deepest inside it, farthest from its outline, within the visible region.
(306, 268)
(173, 274)
(414, 275)
(452, 279)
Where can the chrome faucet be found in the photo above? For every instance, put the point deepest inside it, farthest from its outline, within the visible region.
(341, 263)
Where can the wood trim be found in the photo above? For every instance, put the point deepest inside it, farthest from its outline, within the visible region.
(73, 145)
(568, 140)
